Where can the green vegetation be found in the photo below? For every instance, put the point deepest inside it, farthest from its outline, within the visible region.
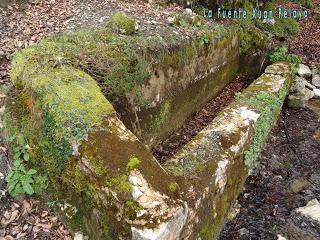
(173, 186)
(251, 37)
(122, 23)
(185, 20)
(133, 163)
(307, 4)
(21, 180)
(267, 104)
(281, 54)
(282, 28)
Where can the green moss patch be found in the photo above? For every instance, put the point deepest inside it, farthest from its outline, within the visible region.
(122, 23)
(251, 38)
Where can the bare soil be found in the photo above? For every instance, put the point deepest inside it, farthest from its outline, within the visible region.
(287, 177)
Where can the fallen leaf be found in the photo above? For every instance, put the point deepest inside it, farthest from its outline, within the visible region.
(13, 216)
(26, 207)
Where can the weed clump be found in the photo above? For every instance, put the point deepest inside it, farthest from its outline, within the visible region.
(281, 54)
(282, 28)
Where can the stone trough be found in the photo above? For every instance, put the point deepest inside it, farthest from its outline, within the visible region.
(102, 167)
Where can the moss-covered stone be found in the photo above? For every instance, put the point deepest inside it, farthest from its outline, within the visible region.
(122, 23)
(251, 38)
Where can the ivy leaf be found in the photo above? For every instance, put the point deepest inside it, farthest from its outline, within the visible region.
(9, 176)
(15, 176)
(22, 169)
(31, 172)
(17, 190)
(11, 186)
(17, 163)
(26, 156)
(27, 188)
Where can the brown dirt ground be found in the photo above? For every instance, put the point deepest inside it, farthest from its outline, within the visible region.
(291, 155)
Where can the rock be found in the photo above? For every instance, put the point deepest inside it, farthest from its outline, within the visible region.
(304, 71)
(308, 94)
(270, 21)
(315, 69)
(298, 85)
(188, 11)
(298, 185)
(78, 236)
(296, 100)
(299, 99)
(315, 178)
(316, 93)
(279, 237)
(316, 80)
(309, 85)
(171, 19)
(243, 232)
(311, 210)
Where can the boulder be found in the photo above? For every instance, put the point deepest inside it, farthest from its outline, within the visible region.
(316, 80)
(304, 71)
(308, 94)
(309, 85)
(296, 101)
(298, 85)
(299, 99)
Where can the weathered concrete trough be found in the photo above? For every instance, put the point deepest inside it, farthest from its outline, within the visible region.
(98, 166)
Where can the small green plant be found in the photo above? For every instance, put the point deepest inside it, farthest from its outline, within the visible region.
(133, 163)
(307, 4)
(21, 181)
(281, 54)
(203, 40)
(173, 186)
(52, 204)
